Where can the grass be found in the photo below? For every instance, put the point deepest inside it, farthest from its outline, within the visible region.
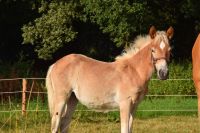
(87, 121)
(169, 124)
(164, 124)
(168, 106)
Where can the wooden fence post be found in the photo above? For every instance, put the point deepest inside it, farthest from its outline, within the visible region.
(24, 88)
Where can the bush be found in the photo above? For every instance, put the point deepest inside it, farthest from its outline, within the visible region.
(180, 80)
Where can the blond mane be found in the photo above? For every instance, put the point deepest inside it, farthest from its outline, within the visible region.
(140, 42)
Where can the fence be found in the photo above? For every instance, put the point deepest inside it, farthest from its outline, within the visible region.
(25, 100)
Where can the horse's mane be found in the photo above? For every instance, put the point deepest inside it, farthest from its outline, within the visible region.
(139, 43)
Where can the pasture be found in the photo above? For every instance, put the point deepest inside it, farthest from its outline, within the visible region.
(163, 114)
(176, 115)
(34, 34)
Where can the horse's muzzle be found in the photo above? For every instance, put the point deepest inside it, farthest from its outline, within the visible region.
(163, 74)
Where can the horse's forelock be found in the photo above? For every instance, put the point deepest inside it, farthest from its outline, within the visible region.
(161, 36)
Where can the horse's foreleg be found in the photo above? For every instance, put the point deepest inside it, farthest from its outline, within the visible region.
(124, 115)
(132, 114)
(131, 117)
(71, 106)
(131, 122)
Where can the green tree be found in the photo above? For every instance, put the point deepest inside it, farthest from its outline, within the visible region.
(59, 23)
(54, 28)
(116, 17)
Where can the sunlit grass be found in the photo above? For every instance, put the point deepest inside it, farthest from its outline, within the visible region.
(89, 121)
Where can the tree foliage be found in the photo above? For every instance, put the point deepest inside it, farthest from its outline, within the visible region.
(54, 28)
(53, 25)
(116, 17)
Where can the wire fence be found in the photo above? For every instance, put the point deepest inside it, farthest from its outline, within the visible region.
(24, 107)
(26, 93)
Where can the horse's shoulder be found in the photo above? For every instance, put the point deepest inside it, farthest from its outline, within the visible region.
(125, 68)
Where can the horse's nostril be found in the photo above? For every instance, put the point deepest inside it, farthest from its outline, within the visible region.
(163, 74)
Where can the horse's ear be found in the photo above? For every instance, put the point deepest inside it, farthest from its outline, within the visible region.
(170, 32)
(152, 32)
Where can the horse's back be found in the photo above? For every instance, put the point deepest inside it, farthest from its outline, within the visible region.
(72, 61)
(196, 59)
(82, 70)
(64, 65)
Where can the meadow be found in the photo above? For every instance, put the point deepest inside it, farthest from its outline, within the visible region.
(154, 114)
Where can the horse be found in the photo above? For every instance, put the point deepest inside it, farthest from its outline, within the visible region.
(104, 86)
(196, 69)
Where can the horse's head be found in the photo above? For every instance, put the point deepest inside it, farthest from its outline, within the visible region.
(160, 50)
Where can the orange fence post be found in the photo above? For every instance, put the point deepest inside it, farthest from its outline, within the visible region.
(24, 88)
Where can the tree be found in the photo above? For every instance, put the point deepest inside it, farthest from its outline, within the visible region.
(55, 28)
(52, 30)
(59, 23)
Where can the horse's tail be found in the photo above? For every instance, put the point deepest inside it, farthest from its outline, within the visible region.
(50, 90)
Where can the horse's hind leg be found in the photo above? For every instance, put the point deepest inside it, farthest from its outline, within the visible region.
(60, 103)
(70, 107)
(198, 99)
(197, 86)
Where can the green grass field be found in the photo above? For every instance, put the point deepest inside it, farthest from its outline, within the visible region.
(176, 115)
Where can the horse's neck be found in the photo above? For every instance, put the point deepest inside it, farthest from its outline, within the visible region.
(143, 63)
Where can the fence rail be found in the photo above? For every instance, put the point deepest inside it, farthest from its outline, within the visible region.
(36, 78)
(24, 98)
(38, 92)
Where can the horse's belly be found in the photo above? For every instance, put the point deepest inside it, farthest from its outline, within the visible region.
(98, 102)
(101, 107)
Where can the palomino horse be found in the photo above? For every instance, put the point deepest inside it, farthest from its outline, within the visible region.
(196, 69)
(104, 86)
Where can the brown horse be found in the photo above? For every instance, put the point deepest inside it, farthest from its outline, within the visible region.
(196, 69)
(105, 86)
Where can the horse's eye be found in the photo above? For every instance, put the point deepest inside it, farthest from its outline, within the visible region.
(169, 49)
(153, 50)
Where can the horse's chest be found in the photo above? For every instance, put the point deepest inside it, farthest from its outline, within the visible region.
(139, 96)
